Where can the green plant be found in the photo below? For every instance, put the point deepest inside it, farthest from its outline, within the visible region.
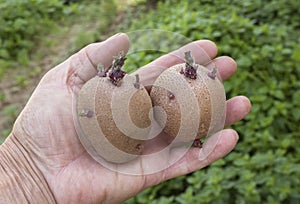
(83, 38)
(94, 19)
(23, 23)
(2, 96)
(7, 115)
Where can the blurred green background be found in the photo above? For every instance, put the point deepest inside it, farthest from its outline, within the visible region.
(262, 36)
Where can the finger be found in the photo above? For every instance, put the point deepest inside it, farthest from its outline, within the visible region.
(226, 66)
(236, 109)
(203, 51)
(83, 65)
(216, 147)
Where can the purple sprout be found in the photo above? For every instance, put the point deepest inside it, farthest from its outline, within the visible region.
(101, 71)
(197, 143)
(139, 148)
(190, 70)
(213, 73)
(171, 96)
(116, 73)
(86, 113)
(137, 83)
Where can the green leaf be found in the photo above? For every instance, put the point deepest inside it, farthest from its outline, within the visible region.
(296, 54)
(296, 97)
(244, 62)
(296, 114)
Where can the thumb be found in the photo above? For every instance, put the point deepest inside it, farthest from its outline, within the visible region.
(83, 65)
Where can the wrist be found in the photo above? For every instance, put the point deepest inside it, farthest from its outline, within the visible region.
(20, 179)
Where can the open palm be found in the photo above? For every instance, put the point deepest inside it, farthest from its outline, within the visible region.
(46, 128)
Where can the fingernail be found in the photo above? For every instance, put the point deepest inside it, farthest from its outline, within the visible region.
(114, 36)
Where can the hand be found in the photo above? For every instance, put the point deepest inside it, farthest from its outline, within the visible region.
(45, 128)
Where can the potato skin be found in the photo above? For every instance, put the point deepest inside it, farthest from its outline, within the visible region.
(208, 110)
(100, 134)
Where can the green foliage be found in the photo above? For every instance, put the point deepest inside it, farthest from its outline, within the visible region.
(263, 37)
(10, 112)
(23, 23)
(94, 18)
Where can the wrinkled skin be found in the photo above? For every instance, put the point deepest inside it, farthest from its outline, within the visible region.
(45, 128)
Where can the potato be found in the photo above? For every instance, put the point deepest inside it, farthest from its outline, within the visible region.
(192, 101)
(114, 115)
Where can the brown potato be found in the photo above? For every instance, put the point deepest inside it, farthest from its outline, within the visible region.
(114, 118)
(193, 102)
